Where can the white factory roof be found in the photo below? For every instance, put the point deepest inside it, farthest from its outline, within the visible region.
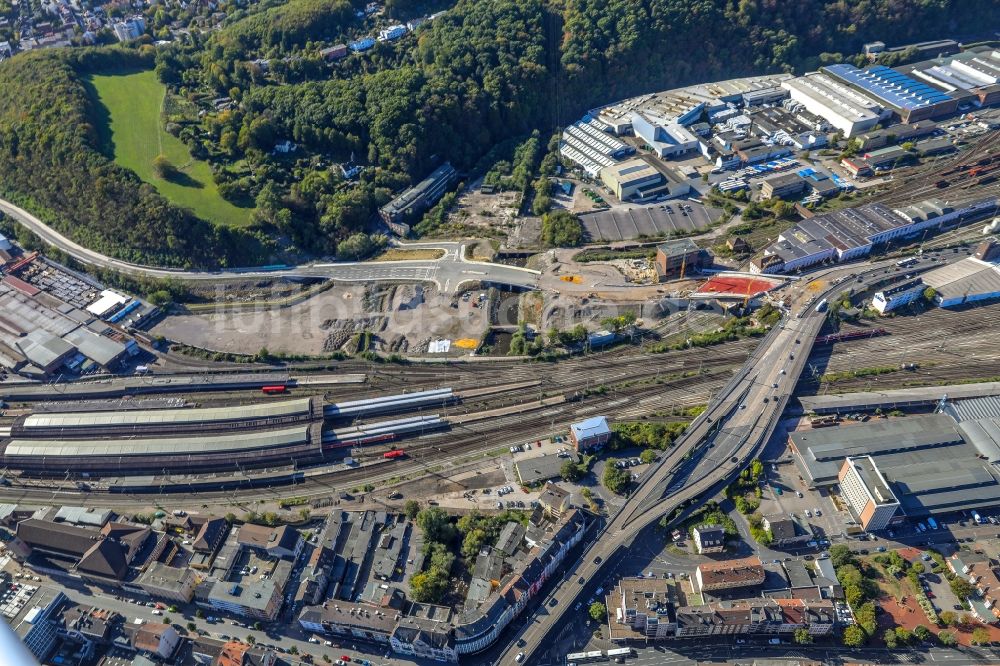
(590, 146)
(835, 96)
(678, 101)
(107, 302)
(970, 276)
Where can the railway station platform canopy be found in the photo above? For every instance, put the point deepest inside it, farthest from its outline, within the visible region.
(164, 446)
(167, 417)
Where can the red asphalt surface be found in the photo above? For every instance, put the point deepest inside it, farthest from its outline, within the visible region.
(737, 286)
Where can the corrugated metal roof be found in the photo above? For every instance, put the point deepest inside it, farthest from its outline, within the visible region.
(168, 416)
(968, 277)
(987, 407)
(162, 446)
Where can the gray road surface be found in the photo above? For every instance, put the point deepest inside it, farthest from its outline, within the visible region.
(449, 272)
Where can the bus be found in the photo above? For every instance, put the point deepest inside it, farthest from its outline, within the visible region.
(585, 657)
(619, 654)
(909, 261)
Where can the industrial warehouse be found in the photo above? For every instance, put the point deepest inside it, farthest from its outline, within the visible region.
(907, 467)
(54, 321)
(971, 280)
(851, 233)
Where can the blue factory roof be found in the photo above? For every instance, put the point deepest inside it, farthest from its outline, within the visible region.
(592, 427)
(896, 89)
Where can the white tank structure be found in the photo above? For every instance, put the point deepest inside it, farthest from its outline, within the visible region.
(992, 227)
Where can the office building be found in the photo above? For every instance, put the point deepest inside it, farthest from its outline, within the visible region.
(282, 542)
(258, 597)
(888, 300)
(677, 258)
(171, 583)
(642, 609)
(666, 139)
(129, 29)
(787, 185)
(34, 615)
(632, 179)
(867, 492)
(639, 181)
(592, 433)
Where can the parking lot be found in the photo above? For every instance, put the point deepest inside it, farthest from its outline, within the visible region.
(629, 222)
(829, 520)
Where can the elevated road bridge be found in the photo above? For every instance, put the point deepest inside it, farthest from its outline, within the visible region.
(717, 446)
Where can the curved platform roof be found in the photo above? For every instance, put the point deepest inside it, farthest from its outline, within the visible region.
(235, 443)
(264, 410)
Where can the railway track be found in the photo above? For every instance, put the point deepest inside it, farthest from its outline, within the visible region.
(966, 176)
(428, 454)
(946, 346)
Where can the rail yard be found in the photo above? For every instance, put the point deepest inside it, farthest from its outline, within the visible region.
(500, 455)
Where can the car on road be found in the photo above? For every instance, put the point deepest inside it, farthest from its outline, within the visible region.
(598, 559)
(519, 658)
(580, 580)
(578, 606)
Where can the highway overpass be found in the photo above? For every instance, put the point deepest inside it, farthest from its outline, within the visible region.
(717, 446)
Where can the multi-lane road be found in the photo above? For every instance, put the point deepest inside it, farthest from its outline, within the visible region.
(717, 446)
(448, 272)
